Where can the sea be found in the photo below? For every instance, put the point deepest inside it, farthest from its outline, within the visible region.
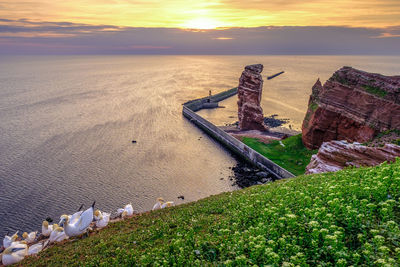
(67, 125)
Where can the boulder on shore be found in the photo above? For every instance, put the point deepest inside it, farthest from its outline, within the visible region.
(335, 155)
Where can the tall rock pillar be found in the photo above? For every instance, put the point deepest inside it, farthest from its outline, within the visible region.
(250, 112)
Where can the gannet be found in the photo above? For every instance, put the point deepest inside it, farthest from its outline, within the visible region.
(158, 204)
(46, 228)
(9, 239)
(14, 253)
(80, 224)
(167, 204)
(101, 218)
(128, 208)
(76, 215)
(124, 214)
(58, 234)
(29, 238)
(35, 249)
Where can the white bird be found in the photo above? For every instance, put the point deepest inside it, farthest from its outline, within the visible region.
(9, 239)
(128, 209)
(167, 204)
(101, 218)
(158, 204)
(76, 215)
(58, 234)
(46, 228)
(29, 238)
(35, 249)
(14, 253)
(80, 224)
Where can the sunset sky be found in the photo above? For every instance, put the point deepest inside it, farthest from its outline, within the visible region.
(116, 26)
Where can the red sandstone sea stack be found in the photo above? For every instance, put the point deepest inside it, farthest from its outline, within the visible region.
(250, 112)
(352, 105)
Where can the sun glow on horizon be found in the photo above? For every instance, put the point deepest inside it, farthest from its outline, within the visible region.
(201, 24)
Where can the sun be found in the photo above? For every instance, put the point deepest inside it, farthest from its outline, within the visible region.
(201, 24)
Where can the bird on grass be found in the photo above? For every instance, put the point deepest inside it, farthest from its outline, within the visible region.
(167, 204)
(128, 209)
(14, 253)
(159, 203)
(58, 234)
(29, 238)
(46, 228)
(101, 218)
(36, 248)
(7, 241)
(77, 225)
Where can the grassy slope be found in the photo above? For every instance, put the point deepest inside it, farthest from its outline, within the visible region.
(343, 218)
(294, 156)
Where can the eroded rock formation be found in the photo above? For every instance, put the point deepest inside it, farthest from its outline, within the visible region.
(335, 155)
(249, 93)
(352, 105)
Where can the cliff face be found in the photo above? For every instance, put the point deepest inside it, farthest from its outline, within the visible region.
(335, 155)
(250, 112)
(352, 105)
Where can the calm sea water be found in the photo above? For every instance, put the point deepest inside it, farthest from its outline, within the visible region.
(66, 126)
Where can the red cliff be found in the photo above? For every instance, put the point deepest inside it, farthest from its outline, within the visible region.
(250, 112)
(352, 105)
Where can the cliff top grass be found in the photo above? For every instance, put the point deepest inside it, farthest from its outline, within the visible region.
(293, 155)
(350, 217)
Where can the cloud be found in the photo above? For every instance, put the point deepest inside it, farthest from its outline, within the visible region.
(30, 37)
(228, 13)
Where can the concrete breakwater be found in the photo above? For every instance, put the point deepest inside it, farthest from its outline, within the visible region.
(197, 104)
(229, 141)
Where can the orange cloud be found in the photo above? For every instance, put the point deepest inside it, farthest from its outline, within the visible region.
(209, 14)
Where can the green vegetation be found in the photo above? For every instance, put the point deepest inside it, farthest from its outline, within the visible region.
(340, 79)
(351, 217)
(293, 156)
(313, 106)
(375, 90)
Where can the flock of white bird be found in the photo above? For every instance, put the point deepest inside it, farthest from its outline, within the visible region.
(75, 225)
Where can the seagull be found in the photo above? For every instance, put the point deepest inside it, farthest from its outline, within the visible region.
(58, 234)
(101, 218)
(167, 204)
(9, 239)
(14, 253)
(46, 228)
(158, 204)
(78, 225)
(29, 238)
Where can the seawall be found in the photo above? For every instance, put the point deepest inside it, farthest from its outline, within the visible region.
(197, 104)
(233, 144)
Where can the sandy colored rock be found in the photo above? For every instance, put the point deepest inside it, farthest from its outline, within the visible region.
(250, 86)
(352, 105)
(335, 155)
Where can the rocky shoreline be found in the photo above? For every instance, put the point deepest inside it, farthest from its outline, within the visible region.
(245, 175)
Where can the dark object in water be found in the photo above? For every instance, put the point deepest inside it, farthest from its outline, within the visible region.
(181, 197)
(134, 141)
(48, 219)
(273, 76)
